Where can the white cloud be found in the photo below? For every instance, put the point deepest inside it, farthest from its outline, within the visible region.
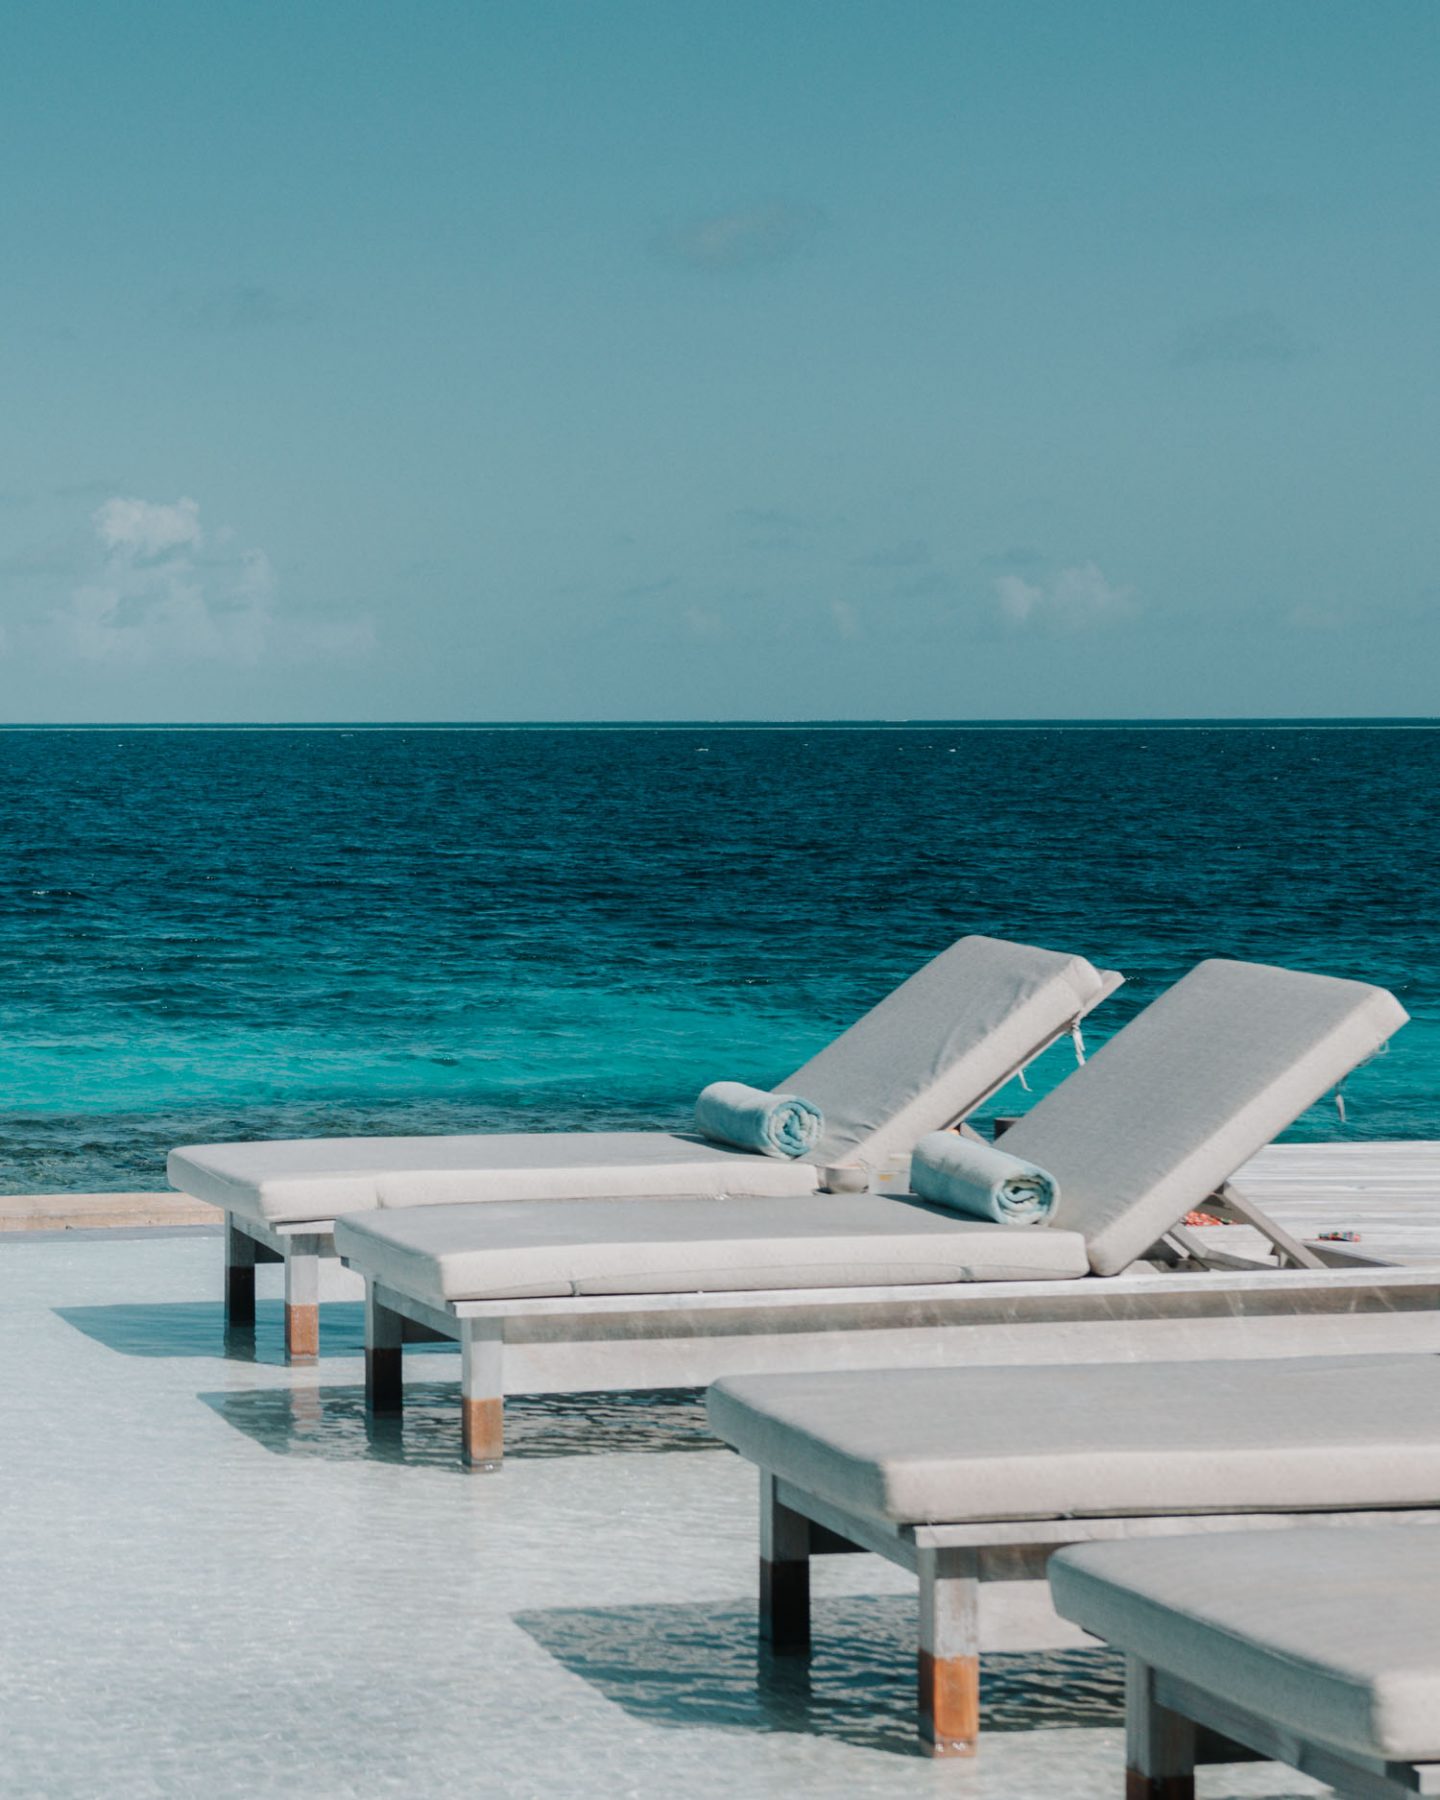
(1018, 599)
(1078, 598)
(163, 590)
(142, 529)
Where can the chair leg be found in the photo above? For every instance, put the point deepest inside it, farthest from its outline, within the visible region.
(384, 1356)
(1159, 1744)
(482, 1399)
(949, 1660)
(302, 1300)
(784, 1574)
(239, 1274)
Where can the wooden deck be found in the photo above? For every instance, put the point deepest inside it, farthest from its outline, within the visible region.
(101, 1212)
(1388, 1192)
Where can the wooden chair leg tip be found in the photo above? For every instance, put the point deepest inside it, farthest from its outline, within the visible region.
(950, 1747)
(949, 1704)
(302, 1333)
(483, 1435)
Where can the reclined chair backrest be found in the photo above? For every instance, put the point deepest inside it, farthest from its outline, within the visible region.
(942, 1043)
(1163, 1114)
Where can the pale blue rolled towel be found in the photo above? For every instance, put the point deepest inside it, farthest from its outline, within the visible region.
(981, 1180)
(748, 1118)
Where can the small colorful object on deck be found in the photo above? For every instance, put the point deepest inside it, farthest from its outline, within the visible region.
(1340, 1237)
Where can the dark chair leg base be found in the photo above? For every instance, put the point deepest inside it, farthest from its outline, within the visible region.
(1158, 1787)
(785, 1607)
(384, 1380)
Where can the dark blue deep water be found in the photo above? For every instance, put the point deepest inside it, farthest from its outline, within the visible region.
(244, 933)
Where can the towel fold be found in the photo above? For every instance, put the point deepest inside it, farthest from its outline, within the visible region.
(748, 1118)
(982, 1181)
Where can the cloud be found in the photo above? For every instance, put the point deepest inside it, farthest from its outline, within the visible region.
(1079, 598)
(1250, 337)
(160, 588)
(144, 531)
(243, 306)
(747, 238)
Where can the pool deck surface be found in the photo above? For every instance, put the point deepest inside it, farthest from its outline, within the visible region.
(96, 1212)
(217, 1581)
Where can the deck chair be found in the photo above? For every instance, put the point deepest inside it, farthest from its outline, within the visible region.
(554, 1296)
(970, 1478)
(929, 1054)
(1300, 1649)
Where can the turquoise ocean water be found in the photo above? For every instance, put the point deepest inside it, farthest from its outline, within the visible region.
(217, 934)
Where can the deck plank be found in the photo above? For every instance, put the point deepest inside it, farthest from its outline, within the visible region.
(1388, 1192)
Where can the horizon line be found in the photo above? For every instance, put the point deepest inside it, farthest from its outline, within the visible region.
(1268, 721)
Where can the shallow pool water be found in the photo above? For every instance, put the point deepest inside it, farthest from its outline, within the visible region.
(217, 1582)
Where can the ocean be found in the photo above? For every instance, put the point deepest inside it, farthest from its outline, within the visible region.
(213, 934)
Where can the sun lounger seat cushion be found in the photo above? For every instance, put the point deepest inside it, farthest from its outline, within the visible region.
(319, 1178)
(1331, 1635)
(676, 1245)
(1189, 1090)
(951, 1445)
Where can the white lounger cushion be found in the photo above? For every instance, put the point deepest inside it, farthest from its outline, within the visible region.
(951, 1445)
(938, 1046)
(319, 1178)
(1331, 1635)
(678, 1246)
(1189, 1090)
(934, 1049)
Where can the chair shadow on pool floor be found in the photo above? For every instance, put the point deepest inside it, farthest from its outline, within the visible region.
(330, 1424)
(197, 1328)
(700, 1665)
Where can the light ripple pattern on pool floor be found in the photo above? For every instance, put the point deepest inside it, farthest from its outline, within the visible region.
(185, 1611)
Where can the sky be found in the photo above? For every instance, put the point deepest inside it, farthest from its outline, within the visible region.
(807, 359)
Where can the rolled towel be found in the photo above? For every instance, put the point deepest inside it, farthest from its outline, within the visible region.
(748, 1118)
(981, 1180)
